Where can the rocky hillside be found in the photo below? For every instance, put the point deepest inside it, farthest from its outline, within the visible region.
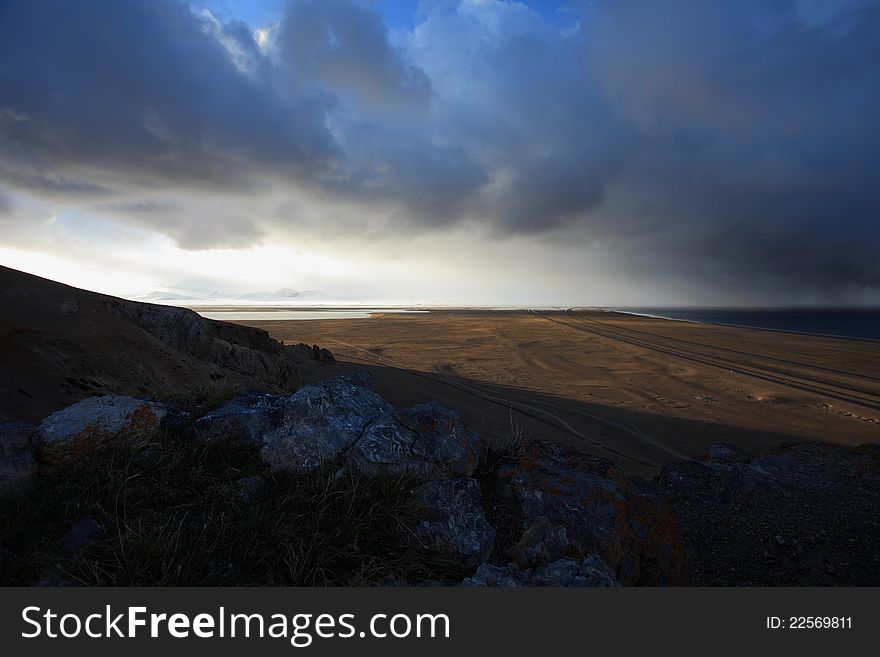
(59, 344)
(535, 515)
(117, 468)
(523, 514)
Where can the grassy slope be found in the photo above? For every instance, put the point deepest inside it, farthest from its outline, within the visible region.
(174, 516)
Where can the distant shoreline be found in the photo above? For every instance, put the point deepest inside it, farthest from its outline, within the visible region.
(751, 326)
(860, 324)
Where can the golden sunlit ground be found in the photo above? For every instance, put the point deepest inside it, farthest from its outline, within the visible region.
(638, 390)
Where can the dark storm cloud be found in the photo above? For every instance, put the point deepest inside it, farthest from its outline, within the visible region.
(142, 88)
(757, 147)
(734, 143)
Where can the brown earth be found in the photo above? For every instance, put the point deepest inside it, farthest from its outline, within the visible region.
(60, 344)
(637, 390)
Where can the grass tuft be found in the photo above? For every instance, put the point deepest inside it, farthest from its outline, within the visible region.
(175, 516)
(200, 398)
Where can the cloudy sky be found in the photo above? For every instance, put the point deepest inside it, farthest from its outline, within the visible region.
(609, 152)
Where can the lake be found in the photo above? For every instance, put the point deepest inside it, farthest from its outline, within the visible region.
(227, 314)
(861, 323)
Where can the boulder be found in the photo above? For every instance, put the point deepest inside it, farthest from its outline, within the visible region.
(247, 418)
(319, 422)
(542, 543)
(18, 467)
(603, 510)
(426, 441)
(95, 422)
(589, 571)
(454, 524)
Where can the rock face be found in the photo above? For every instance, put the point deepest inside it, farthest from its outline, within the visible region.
(541, 543)
(428, 440)
(272, 367)
(319, 422)
(455, 525)
(247, 418)
(805, 514)
(177, 327)
(344, 418)
(93, 422)
(18, 467)
(247, 351)
(601, 509)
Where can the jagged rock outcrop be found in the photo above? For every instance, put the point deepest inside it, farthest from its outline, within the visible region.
(602, 509)
(541, 543)
(344, 417)
(426, 441)
(242, 349)
(177, 327)
(93, 423)
(319, 422)
(246, 418)
(18, 467)
(454, 524)
(804, 514)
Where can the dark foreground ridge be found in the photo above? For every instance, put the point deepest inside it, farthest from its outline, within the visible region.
(332, 485)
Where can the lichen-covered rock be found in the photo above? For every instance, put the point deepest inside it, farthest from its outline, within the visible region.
(428, 440)
(542, 543)
(589, 571)
(247, 418)
(603, 510)
(319, 422)
(454, 524)
(805, 514)
(18, 467)
(95, 422)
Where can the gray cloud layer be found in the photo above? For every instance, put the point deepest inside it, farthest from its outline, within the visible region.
(733, 142)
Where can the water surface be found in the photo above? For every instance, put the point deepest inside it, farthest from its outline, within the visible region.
(861, 323)
(260, 314)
